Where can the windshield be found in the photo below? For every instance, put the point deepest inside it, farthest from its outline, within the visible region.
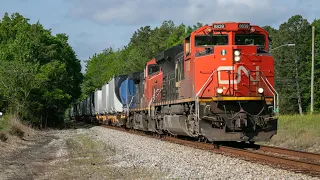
(250, 39)
(211, 40)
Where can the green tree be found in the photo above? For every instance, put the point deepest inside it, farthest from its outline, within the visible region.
(316, 23)
(292, 64)
(17, 81)
(40, 74)
(144, 45)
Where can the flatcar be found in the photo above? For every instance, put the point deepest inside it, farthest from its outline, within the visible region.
(217, 86)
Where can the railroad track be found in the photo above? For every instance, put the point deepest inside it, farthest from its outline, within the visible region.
(296, 161)
(291, 154)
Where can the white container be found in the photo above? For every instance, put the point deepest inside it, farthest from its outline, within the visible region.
(114, 104)
(79, 106)
(105, 93)
(92, 108)
(88, 106)
(82, 107)
(98, 102)
(71, 110)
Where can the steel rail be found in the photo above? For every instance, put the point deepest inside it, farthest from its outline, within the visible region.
(256, 156)
(300, 154)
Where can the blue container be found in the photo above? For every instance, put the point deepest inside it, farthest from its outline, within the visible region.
(127, 93)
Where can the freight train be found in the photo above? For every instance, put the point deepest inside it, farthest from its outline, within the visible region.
(216, 86)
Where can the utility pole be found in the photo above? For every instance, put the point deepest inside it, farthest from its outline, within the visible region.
(298, 89)
(312, 69)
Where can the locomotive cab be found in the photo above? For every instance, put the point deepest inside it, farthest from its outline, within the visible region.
(153, 82)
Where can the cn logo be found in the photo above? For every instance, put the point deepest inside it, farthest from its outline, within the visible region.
(239, 70)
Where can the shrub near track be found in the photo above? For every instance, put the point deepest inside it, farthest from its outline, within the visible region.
(298, 132)
(12, 126)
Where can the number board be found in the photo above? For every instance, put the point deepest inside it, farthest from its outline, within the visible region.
(243, 26)
(218, 26)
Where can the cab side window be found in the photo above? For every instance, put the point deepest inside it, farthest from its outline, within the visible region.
(187, 46)
(153, 69)
(179, 67)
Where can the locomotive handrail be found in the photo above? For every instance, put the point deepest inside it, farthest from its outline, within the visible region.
(131, 100)
(205, 83)
(276, 104)
(128, 106)
(274, 95)
(266, 82)
(272, 90)
(197, 95)
(152, 99)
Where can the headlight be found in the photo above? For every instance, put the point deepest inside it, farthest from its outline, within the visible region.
(237, 53)
(219, 90)
(260, 90)
(237, 58)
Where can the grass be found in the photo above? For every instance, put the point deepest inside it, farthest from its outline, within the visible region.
(86, 151)
(10, 125)
(92, 159)
(298, 132)
(4, 123)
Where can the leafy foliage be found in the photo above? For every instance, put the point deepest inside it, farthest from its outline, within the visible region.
(293, 64)
(144, 44)
(39, 73)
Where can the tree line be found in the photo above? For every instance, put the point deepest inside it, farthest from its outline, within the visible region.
(292, 64)
(40, 74)
(144, 44)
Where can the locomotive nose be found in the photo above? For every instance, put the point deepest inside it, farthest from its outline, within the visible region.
(238, 71)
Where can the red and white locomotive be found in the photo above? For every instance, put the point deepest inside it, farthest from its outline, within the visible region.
(218, 85)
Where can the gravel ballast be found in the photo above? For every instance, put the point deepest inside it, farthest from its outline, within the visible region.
(95, 152)
(182, 162)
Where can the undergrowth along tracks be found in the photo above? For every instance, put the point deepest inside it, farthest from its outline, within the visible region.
(296, 161)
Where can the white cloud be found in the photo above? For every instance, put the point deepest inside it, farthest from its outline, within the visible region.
(112, 22)
(137, 12)
(248, 3)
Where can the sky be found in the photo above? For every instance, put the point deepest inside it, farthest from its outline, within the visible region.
(93, 25)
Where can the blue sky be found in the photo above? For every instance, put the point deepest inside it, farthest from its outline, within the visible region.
(93, 25)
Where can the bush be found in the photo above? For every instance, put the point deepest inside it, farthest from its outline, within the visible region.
(3, 137)
(11, 125)
(17, 131)
(4, 123)
(298, 132)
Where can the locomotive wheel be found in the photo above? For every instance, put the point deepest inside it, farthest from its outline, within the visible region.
(202, 139)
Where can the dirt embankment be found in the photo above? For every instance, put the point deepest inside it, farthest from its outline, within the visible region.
(64, 154)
